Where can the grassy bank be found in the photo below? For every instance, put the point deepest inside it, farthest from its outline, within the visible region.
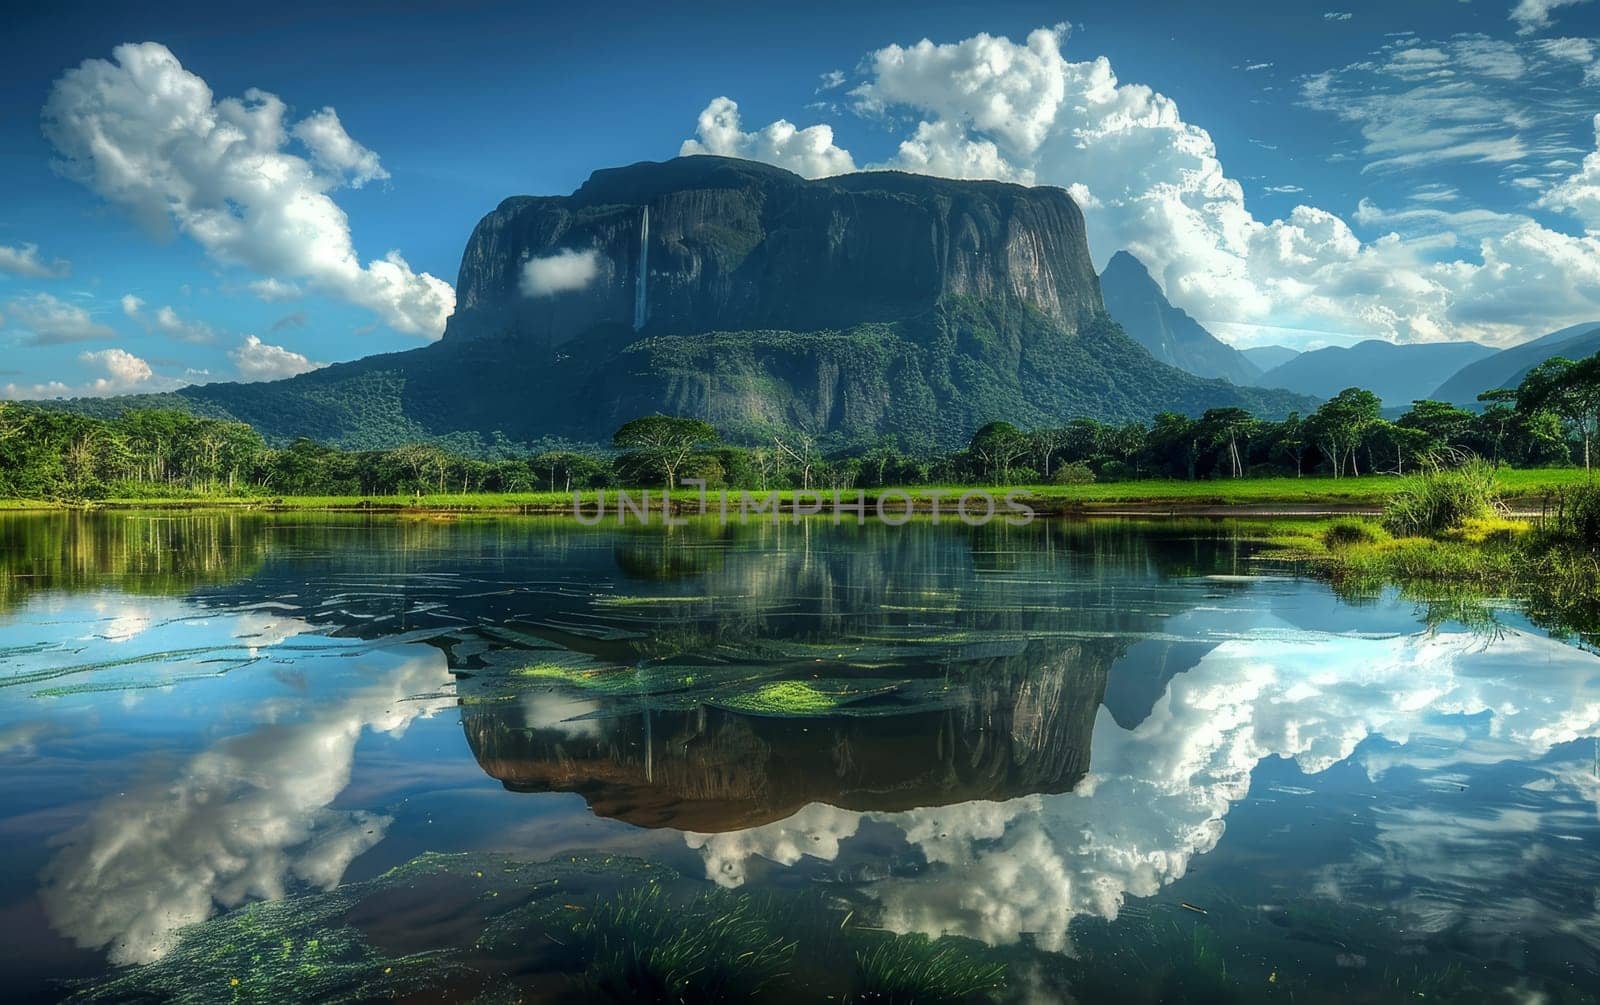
(1465, 574)
(1520, 488)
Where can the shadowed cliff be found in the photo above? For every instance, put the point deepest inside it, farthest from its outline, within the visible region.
(736, 245)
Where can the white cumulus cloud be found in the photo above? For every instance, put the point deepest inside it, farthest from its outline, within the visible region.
(23, 260)
(1532, 16)
(335, 152)
(809, 152)
(47, 320)
(165, 321)
(275, 291)
(1152, 182)
(563, 272)
(1579, 194)
(148, 135)
(123, 369)
(256, 360)
(112, 371)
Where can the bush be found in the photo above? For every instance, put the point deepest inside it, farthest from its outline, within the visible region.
(1578, 517)
(1441, 501)
(1348, 532)
(1076, 473)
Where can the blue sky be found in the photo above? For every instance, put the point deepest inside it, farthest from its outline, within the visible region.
(1314, 174)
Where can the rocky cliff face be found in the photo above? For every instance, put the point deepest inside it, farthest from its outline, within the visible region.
(736, 245)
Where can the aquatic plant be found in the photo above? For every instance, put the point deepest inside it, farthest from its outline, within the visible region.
(914, 968)
(1441, 501)
(288, 950)
(579, 671)
(306, 947)
(785, 697)
(1577, 516)
(717, 947)
(1343, 533)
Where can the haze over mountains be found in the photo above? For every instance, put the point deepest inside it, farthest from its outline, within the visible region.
(856, 307)
(1399, 374)
(1507, 367)
(1135, 301)
(1265, 357)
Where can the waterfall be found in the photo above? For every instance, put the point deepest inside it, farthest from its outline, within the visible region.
(639, 309)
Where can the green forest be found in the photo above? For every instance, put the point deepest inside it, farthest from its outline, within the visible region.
(1547, 421)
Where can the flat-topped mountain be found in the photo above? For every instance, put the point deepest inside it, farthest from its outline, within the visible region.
(709, 243)
(854, 308)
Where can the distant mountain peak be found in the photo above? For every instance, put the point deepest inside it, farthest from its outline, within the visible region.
(1507, 367)
(1135, 300)
(1399, 373)
(1126, 265)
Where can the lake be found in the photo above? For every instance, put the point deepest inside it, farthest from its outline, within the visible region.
(266, 757)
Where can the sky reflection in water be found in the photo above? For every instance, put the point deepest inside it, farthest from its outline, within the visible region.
(196, 715)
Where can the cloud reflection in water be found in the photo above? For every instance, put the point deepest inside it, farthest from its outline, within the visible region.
(243, 819)
(1158, 794)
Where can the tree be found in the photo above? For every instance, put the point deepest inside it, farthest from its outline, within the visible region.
(566, 469)
(1086, 439)
(1338, 427)
(1567, 389)
(1173, 445)
(156, 437)
(765, 465)
(1045, 444)
(425, 465)
(1494, 422)
(82, 459)
(298, 467)
(800, 448)
(666, 439)
(996, 446)
(1404, 444)
(13, 420)
(1224, 428)
(1446, 427)
(242, 449)
(1125, 444)
(884, 464)
(1287, 439)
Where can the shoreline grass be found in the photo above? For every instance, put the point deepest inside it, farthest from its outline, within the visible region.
(1523, 488)
(1463, 575)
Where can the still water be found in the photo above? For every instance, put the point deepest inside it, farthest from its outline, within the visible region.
(248, 757)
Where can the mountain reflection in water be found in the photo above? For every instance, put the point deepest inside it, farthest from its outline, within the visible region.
(1010, 734)
(714, 770)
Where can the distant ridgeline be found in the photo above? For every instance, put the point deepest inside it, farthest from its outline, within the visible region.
(857, 308)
